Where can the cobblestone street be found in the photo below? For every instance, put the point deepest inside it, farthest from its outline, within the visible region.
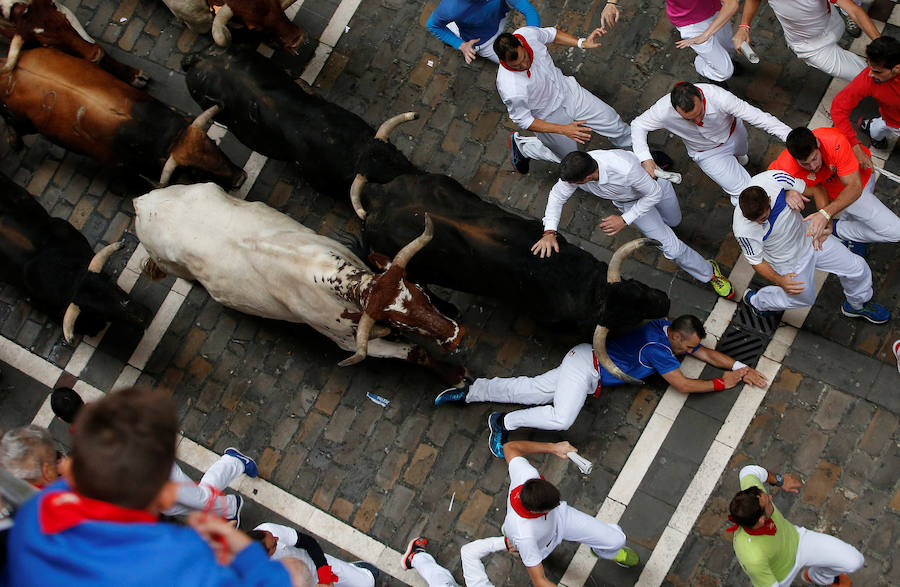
(387, 474)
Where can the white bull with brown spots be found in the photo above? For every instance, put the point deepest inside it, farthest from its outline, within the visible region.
(257, 260)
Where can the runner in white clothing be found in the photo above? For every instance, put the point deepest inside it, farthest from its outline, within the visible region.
(651, 205)
(207, 494)
(710, 122)
(537, 521)
(769, 228)
(541, 99)
(812, 29)
(470, 554)
(283, 542)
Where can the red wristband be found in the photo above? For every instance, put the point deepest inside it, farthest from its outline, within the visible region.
(553, 232)
(744, 26)
(718, 384)
(325, 575)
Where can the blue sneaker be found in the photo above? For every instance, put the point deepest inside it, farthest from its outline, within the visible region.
(250, 469)
(236, 518)
(748, 295)
(855, 247)
(369, 567)
(874, 313)
(497, 437)
(519, 161)
(452, 395)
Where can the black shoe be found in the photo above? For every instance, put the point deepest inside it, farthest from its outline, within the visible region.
(865, 125)
(519, 161)
(738, 68)
(722, 84)
(662, 160)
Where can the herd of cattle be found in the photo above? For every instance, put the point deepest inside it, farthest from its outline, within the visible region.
(420, 228)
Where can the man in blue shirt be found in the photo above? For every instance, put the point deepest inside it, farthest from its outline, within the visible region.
(559, 394)
(472, 25)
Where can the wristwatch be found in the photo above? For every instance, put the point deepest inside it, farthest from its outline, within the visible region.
(779, 480)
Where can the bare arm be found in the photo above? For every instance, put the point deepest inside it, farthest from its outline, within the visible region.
(860, 17)
(818, 224)
(785, 282)
(729, 9)
(676, 379)
(575, 130)
(538, 578)
(520, 448)
(751, 7)
(723, 361)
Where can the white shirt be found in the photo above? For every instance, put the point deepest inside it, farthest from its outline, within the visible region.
(534, 538)
(529, 97)
(622, 180)
(804, 21)
(781, 240)
(722, 107)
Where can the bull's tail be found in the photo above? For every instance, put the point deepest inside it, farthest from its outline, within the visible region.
(152, 270)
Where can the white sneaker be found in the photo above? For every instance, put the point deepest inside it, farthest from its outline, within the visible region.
(743, 159)
(896, 348)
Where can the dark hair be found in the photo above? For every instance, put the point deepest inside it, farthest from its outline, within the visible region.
(683, 95)
(257, 535)
(801, 142)
(506, 46)
(539, 495)
(884, 52)
(745, 509)
(124, 446)
(753, 201)
(688, 325)
(65, 403)
(576, 166)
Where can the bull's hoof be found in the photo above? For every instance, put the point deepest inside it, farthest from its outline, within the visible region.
(140, 80)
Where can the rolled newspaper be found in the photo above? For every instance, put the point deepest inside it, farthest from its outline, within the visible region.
(886, 174)
(584, 465)
(667, 175)
(749, 53)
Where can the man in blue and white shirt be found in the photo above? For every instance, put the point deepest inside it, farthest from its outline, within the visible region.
(560, 393)
(470, 26)
(769, 228)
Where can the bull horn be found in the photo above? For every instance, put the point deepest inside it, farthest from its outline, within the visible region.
(363, 330)
(100, 259)
(168, 170)
(206, 117)
(356, 195)
(12, 57)
(407, 252)
(600, 333)
(388, 126)
(614, 272)
(221, 34)
(68, 324)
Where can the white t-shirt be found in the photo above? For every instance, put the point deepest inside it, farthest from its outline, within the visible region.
(544, 91)
(621, 180)
(535, 538)
(781, 240)
(722, 107)
(804, 21)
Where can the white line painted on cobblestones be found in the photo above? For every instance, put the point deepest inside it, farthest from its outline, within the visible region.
(329, 39)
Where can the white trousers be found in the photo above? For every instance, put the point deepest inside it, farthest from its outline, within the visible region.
(576, 526)
(656, 223)
(713, 60)
(868, 220)
(471, 554)
(196, 496)
(434, 574)
(567, 387)
(722, 166)
(829, 57)
(579, 104)
(826, 556)
(880, 130)
(852, 270)
(485, 47)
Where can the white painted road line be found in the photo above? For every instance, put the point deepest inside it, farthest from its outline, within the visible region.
(330, 36)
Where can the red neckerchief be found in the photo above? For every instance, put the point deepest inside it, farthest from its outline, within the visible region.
(767, 529)
(527, 50)
(515, 501)
(62, 510)
(599, 380)
(37, 485)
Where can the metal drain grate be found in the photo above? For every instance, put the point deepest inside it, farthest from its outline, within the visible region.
(747, 336)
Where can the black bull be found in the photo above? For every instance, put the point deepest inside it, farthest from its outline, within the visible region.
(48, 259)
(478, 247)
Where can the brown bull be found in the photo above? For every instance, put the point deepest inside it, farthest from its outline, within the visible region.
(46, 23)
(80, 107)
(263, 15)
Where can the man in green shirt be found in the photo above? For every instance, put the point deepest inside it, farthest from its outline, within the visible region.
(771, 550)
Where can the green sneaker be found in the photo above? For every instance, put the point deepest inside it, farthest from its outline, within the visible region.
(627, 558)
(719, 282)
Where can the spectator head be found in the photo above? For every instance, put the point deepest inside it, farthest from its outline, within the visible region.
(687, 100)
(539, 495)
(65, 403)
(883, 55)
(123, 450)
(266, 538)
(754, 204)
(803, 146)
(30, 455)
(511, 52)
(747, 509)
(685, 333)
(577, 167)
